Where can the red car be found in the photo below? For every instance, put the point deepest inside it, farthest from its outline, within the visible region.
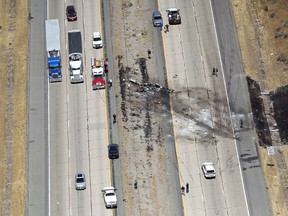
(71, 13)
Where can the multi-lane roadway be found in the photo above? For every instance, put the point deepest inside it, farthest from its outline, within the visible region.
(69, 123)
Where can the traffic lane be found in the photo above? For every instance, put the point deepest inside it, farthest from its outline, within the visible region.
(256, 193)
(232, 183)
(97, 116)
(205, 196)
(80, 203)
(71, 25)
(56, 10)
(59, 157)
(59, 148)
(67, 177)
(92, 23)
(116, 166)
(61, 174)
(37, 185)
(98, 142)
(201, 82)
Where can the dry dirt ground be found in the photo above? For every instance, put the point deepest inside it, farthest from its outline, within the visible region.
(13, 64)
(141, 134)
(262, 27)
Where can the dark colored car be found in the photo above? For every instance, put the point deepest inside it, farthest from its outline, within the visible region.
(113, 151)
(71, 13)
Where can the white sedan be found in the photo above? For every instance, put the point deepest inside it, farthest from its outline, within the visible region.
(208, 170)
(97, 40)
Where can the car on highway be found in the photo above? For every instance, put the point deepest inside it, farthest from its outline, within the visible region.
(113, 151)
(80, 183)
(97, 40)
(157, 19)
(174, 17)
(110, 198)
(208, 170)
(71, 13)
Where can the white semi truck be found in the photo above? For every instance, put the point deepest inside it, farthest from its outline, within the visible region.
(75, 56)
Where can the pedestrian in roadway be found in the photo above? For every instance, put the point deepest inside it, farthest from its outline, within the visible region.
(187, 187)
(161, 26)
(114, 118)
(241, 123)
(135, 184)
(167, 27)
(214, 72)
(183, 190)
(149, 54)
(110, 83)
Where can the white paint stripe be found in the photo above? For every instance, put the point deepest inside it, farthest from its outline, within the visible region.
(235, 143)
(49, 146)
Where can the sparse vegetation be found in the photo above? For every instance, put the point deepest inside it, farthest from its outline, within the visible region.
(263, 42)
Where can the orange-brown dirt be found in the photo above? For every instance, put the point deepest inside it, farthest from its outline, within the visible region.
(13, 63)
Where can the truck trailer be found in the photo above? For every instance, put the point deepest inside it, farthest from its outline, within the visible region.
(75, 56)
(53, 50)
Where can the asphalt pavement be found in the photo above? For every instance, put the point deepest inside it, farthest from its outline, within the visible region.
(37, 166)
(255, 189)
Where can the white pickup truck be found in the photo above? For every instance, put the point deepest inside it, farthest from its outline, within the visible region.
(109, 196)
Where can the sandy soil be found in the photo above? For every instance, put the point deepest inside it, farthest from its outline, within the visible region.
(263, 38)
(141, 138)
(13, 61)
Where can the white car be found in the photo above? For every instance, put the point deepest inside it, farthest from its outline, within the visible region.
(80, 183)
(208, 170)
(109, 196)
(97, 40)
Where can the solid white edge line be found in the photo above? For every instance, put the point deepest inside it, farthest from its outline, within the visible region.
(235, 143)
(48, 138)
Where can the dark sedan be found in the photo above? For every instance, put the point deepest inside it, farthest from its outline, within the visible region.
(71, 13)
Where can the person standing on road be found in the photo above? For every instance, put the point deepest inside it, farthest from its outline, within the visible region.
(149, 54)
(114, 118)
(161, 26)
(214, 71)
(187, 187)
(110, 83)
(183, 190)
(135, 184)
(167, 27)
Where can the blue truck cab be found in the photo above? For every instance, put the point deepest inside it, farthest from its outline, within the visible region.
(54, 64)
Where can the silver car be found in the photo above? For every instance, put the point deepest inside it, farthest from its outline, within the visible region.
(208, 170)
(157, 19)
(80, 183)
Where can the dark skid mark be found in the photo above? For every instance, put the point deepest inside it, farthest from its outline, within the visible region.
(143, 69)
(260, 120)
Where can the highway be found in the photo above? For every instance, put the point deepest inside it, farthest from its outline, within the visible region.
(37, 168)
(78, 123)
(207, 39)
(201, 114)
(70, 122)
